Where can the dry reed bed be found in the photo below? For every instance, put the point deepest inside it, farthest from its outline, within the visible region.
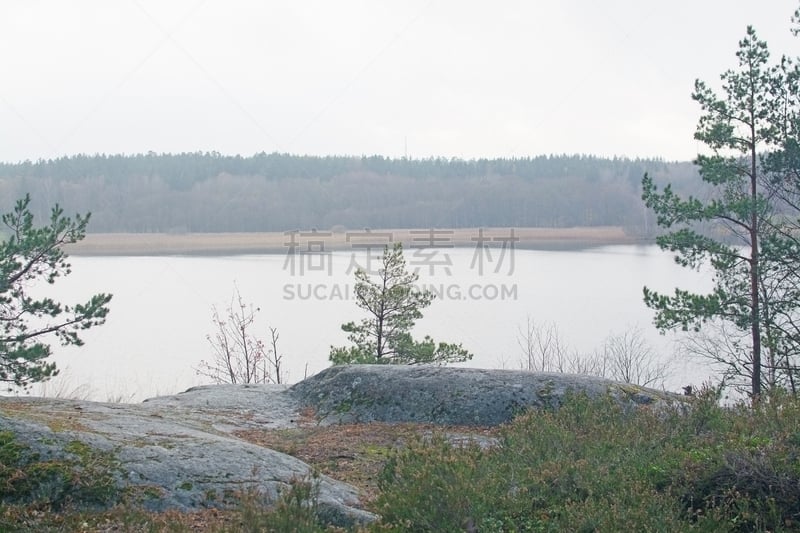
(279, 242)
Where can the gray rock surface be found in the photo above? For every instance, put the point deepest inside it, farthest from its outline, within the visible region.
(184, 449)
(448, 395)
(181, 448)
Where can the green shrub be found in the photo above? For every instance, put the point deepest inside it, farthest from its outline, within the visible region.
(430, 486)
(296, 509)
(593, 465)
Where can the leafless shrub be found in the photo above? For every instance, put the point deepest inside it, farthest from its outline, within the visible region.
(729, 350)
(239, 356)
(625, 357)
(630, 359)
(543, 348)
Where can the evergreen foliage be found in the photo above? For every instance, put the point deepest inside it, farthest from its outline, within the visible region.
(741, 228)
(31, 255)
(393, 304)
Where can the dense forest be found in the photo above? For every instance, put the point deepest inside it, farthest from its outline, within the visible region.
(210, 192)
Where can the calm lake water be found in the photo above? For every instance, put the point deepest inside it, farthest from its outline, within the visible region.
(155, 335)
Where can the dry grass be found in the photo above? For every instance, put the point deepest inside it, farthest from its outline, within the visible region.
(63, 416)
(278, 242)
(353, 453)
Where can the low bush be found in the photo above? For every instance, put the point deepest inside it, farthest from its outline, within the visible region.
(296, 509)
(594, 466)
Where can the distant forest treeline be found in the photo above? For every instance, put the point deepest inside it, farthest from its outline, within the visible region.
(210, 192)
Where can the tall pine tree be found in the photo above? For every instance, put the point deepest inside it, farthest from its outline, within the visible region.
(726, 229)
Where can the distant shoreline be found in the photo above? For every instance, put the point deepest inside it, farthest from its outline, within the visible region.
(138, 244)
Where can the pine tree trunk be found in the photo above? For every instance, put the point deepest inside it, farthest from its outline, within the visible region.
(755, 326)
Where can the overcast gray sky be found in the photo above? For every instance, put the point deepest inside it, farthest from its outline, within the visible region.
(433, 77)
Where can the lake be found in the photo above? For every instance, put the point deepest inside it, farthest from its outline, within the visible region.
(155, 335)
